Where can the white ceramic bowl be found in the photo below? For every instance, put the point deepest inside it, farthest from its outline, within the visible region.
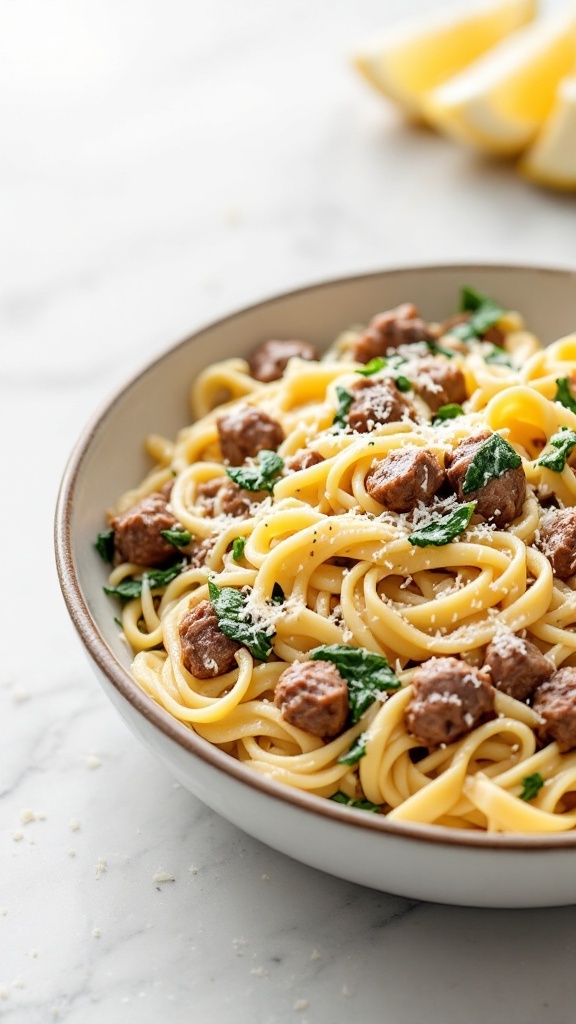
(424, 862)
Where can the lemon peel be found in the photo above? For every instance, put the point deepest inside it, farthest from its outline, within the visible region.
(501, 100)
(418, 56)
(551, 160)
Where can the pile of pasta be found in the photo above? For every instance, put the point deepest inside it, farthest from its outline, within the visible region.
(348, 575)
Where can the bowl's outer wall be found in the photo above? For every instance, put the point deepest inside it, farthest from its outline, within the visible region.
(462, 876)
(110, 458)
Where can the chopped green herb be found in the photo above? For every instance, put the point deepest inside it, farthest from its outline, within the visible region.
(118, 623)
(402, 383)
(263, 475)
(129, 587)
(445, 529)
(356, 752)
(373, 366)
(277, 594)
(345, 400)
(104, 545)
(361, 805)
(471, 299)
(379, 363)
(367, 674)
(439, 350)
(493, 458)
(532, 785)
(564, 394)
(484, 313)
(238, 545)
(448, 412)
(564, 442)
(498, 356)
(229, 605)
(179, 537)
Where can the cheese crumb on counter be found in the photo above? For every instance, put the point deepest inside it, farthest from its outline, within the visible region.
(27, 815)
(92, 761)
(163, 876)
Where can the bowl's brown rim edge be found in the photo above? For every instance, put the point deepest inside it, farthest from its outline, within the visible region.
(98, 649)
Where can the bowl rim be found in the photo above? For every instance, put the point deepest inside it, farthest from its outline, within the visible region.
(176, 731)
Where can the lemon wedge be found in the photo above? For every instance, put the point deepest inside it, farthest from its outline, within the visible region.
(552, 159)
(500, 101)
(418, 56)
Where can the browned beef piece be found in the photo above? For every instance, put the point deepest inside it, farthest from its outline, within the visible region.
(495, 336)
(502, 498)
(303, 459)
(313, 696)
(137, 532)
(516, 666)
(399, 326)
(376, 402)
(440, 382)
(221, 496)
(450, 698)
(555, 702)
(206, 652)
(246, 431)
(404, 478)
(269, 360)
(558, 541)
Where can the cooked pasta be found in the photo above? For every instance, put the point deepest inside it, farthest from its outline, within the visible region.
(317, 507)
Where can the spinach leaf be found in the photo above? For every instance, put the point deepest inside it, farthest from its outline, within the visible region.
(439, 350)
(443, 530)
(564, 394)
(498, 356)
(356, 752)
(471, 299)
(373, 366)
(494, 458)
(448, 412)
(104, 545)
(238, 545)
(361, 805)
(532, 785)
(229, 605)
(179, 537)
(564, 442)
(367, 674)
(129, 587)
(277, 594)
(345, 400)
(262, 476)
(380, 363)
(484, 313)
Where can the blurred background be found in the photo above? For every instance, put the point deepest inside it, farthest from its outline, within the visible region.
(166, 162)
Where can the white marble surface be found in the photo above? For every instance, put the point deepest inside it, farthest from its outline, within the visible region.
(163, 163)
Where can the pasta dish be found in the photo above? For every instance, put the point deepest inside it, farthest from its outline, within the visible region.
(355, 572)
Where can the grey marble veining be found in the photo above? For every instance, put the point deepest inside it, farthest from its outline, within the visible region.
(162, 165)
